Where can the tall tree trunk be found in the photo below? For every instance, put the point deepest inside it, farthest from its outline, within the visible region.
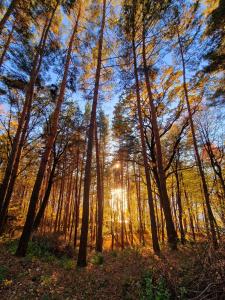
(129, 207)
(214, 163)
(162, 224)
(138, 196)
(155, 242)
(179, 204)
(171, 232)
(44, 203)
(191, 223)
(59, 206)
(197, 156)
(23, 243)
(81, 261)
(75, 189)
(173, 205)
(99, 240)
(67, 204)
(77, 207)
(7, 43)
(122, 204)
(25, 115)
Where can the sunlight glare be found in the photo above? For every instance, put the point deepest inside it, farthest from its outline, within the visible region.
(118, 200)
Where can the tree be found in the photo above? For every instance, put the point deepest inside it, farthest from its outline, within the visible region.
(9, 11)
(81, 261)
(23, 244)
(184, 50)
(18, 140)
(171, 232)
(130, 12)
(216, 38)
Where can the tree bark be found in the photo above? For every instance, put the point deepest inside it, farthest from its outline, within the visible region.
(197, 156)
(19, 138)
(27, 230)
(7, 14)
(141, 229)
(129, 207)
(44, 203)
(171, 232)
(155, 242)
(179, 204)
(99, 239)
(82, 255)
(6, 46)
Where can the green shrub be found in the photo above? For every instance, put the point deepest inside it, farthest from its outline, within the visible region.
(114, 253)
(154, 290)
(46, 280)
(97, 259)
(4, 271)
(54, 244)
(148, 288)
(162, 293)
(45, 297)
(46, 248)
(182, 293)
(67, 263)
(39, 250)
(12, 246)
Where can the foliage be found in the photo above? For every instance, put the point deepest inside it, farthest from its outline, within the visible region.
(47, 248)
(97, 259)
(154, 290)
(67, 263)
(108, 141)
(3, 273)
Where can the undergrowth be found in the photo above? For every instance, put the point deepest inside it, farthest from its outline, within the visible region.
(42, 251)
(154, 289)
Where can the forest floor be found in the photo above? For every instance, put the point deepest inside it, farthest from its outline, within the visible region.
(195, 271)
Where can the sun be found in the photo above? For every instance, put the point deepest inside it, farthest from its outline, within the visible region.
(118, 201)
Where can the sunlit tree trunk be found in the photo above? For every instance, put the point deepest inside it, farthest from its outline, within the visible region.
(197, 155)
(138, 196)
(99, 239)
(155, 242)
(19, 139)
(23, 243)
(179, 204)
(191, 222)
(22, 119)
(173, 204)
(162, 224)
(129, 206)
(75, 189)
(171, 232)
(59, 204)
(67, 203)
(44, 202)
(216, 166)
(77, 207)
(122, 204)
(82, 255)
